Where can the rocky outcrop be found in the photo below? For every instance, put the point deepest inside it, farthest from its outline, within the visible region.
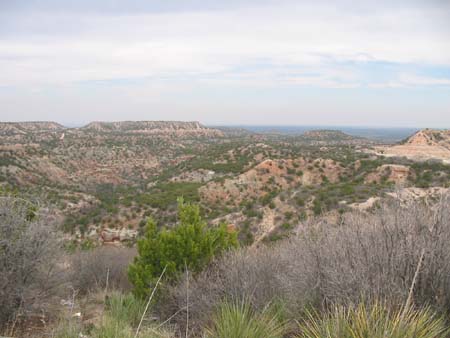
(407, 195)
(370, 203)
(396, 173)
(197, 176)
(117, 235)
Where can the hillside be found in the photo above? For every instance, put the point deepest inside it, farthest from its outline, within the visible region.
(13, 128)
(327, 135)
(106, 178)
(167, 128)
(427, 144)
(271, 175)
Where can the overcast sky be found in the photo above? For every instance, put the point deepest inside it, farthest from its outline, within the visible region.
(260, 62)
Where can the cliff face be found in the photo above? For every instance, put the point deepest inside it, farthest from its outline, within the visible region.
(36, 132)
(424, 145)
(156, 127)
(171, 128)
(430, 137)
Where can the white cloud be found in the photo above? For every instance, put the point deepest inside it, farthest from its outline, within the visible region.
(217, 43)
(246, 61)
(415, 80)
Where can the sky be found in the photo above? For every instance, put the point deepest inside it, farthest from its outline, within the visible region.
(236, 62)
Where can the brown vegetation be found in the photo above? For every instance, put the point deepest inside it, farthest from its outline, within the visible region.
(366, 256)
(30, 250)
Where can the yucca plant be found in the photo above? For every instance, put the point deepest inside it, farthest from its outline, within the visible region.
(125, 308)
(120, 319)
(67, 329)
(156, 333)
(374, 321)
(122, 315)
(238, 320)
(113, 328)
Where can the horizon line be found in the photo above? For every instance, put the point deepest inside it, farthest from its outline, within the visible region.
(357, 126)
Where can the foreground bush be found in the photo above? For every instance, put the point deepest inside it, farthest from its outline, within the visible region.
(94, 269)
(190, 244)
(238, 320)
(375, 321)
(29, 248)
(364, 256)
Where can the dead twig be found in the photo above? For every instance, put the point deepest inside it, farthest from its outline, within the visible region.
(149, 301)
(413, 284)
(187, 299)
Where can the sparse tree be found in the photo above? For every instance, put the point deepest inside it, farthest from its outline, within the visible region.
(190, 244)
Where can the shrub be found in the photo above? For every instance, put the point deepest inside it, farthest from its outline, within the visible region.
(364, 256)
(110, 328)
(190, 244)
(164, 194)
(375, 255)
(122, 315)
(238, 319)
(29, 248)
(67, 329)
(317, 207)
(300, 202)
(287, 226)
(90, 270)
(374, 321)
(258, 276)
(125, 308)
